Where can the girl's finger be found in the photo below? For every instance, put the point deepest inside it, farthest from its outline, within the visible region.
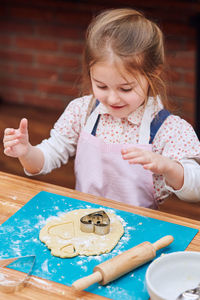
(23, 126)
(7, 151)
(130, 155)
(8, 138)
(135, 161)
(8, 131)
(134, 154)
(147, 166)
(11, 143)
(130, 150)
(140, 160)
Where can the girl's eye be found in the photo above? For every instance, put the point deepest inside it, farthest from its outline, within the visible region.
(101, 87)
(126, 90)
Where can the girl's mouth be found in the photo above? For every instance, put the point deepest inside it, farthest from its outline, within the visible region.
(117, 107)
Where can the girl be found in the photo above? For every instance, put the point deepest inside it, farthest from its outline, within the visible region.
(128, 147)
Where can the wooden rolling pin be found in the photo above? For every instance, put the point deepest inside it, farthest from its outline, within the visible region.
(122, 263)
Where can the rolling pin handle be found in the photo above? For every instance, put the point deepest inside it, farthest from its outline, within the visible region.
(85, 282)
(163, 242)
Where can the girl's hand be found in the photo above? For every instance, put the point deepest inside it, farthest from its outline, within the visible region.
(156, 163)
(16, 141)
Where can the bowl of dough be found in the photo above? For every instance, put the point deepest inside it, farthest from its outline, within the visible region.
(171, 274)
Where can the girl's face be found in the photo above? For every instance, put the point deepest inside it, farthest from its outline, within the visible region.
(122, 95)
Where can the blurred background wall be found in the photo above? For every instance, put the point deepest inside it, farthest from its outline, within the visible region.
(41, 43)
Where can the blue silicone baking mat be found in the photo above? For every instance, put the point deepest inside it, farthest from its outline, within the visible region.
(19, 236)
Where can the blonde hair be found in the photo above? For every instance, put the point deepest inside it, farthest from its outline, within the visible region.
(132, 40)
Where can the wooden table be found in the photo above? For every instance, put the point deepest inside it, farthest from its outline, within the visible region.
(15, 191)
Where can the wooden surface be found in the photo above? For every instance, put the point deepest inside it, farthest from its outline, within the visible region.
(15, 191)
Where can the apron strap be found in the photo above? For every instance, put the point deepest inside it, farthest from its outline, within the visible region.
(95, 126)
(156, 123)
(97, 102)
(97, 121)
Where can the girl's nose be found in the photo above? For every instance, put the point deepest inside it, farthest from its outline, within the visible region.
(112, 98)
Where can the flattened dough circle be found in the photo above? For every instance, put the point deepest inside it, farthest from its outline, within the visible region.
(65, 239)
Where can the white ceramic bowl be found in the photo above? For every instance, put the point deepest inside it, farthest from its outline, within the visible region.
(171, 274)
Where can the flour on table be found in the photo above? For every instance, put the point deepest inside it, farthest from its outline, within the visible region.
(65, 239)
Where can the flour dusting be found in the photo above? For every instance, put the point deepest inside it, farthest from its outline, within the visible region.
(45, 266)
(41, 221)
(13, 197)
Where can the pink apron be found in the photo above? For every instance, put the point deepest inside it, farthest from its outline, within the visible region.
(100, 169)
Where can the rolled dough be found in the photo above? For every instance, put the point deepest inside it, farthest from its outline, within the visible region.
(65, 239)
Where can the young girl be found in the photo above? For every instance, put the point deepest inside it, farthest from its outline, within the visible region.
(128, 147)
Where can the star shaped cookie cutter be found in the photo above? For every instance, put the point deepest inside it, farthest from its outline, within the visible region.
(97, 222)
